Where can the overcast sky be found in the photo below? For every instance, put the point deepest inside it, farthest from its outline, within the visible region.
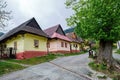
(47, 12)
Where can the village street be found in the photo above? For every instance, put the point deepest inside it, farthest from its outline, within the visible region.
(65, 68)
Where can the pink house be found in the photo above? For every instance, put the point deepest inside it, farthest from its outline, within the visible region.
(58, 41)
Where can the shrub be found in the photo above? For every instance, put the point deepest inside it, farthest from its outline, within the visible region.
(99, 67)
(102, 77)
(118, 51)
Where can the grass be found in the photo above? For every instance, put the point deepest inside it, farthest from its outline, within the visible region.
(89, 74)
(98, 67)
(9, 67)
(38, 60)
(35, 60)
(103, 68)
(71, 54)
(102, 77)
(118, 51)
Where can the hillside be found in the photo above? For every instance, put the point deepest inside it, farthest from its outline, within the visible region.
(1, 33)
(69, 30)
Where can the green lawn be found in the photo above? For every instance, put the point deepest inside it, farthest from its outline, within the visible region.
(37, 60)
(9, 67)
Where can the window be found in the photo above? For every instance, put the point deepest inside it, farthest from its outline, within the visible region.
(75, 45)
(66, 45)
(62, 44)
(36, 43)
(15, 45)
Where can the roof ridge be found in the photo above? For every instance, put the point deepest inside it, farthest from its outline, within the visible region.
(33, 28)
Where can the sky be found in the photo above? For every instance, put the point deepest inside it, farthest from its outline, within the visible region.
(47, 12)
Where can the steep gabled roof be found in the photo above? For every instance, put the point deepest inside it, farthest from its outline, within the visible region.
(74, 38)
(50, 31)
(30, 26)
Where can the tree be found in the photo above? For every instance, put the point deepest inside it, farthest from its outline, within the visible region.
(99, 20)
(4, 15)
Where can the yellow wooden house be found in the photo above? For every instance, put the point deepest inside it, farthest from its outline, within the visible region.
(25, 41)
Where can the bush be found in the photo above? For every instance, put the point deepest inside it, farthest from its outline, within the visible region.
(114, 46)
(102, 77)
(102, 67)
(93, 65)
(118, 51)
(99, 67)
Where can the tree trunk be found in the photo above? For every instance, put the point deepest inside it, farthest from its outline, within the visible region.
(105, 55)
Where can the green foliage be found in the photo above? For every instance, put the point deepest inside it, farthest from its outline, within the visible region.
(69, 30)
(118, 51)
(99, 67)
(90, 74)
(102, 77)
(114, 45)
(35, 60)
(9, 67)
(98, 19)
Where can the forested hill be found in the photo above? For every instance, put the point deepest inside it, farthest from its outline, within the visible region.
(69, 30)
(1, 33)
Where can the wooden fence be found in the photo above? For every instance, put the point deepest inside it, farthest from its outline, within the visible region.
(8, 53)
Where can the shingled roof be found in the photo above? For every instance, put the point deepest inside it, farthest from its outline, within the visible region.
(73, 37)
(56, 32)
(50, 31)
(30, 26)
(59, 36)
